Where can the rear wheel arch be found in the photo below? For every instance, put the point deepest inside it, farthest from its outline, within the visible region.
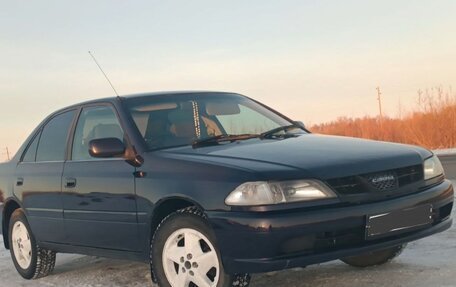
(31, 260)
(8, 209)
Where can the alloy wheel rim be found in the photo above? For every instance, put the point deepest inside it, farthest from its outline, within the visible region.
(22, 246)
(190, 260)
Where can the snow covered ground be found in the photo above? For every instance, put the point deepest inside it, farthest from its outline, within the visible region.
(447, 151)
(428, 262)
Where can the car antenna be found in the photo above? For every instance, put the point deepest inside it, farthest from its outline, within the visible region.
(106, 76)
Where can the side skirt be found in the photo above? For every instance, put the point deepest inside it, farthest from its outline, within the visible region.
(100, 252)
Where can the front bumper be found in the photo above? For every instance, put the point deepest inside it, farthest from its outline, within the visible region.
(254, 242)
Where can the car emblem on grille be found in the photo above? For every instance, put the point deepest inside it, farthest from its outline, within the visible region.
(383, 178)
(384, 181)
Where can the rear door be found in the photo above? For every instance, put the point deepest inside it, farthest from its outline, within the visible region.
(38, 180)
(99, 194)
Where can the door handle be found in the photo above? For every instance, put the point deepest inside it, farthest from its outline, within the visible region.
(20, 181)
(70, 182)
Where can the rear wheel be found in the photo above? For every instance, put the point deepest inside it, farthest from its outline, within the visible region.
(375, 258)
(184, 254)
(30, 260)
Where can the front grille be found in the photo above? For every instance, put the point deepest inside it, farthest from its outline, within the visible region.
(384, 181)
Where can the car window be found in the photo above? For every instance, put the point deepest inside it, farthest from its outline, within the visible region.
(183, 119)
(167, 124)
(94, 123)
(53, 138)
(30, 154)
(247, 121)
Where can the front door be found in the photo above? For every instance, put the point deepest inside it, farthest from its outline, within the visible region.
(99, 194)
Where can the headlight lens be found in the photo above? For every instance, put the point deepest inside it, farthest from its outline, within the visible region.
(265, 193)
(432, 168)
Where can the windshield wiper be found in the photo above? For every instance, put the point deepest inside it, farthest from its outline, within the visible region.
(223, 138)
(279, 129)
(233, 138)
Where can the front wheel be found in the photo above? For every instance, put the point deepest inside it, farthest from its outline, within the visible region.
(375, 258)
(184, 254)
(30, 260)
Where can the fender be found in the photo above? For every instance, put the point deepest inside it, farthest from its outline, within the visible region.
(8, 208)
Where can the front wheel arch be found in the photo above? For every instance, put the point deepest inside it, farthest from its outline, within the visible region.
(162, 209)
(165, 207)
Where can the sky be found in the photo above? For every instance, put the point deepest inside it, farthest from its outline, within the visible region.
(314, 61)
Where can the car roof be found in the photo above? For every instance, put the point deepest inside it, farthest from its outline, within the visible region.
(172, 93)
(138, 95)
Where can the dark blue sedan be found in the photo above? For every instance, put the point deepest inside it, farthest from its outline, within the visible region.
(209, 187)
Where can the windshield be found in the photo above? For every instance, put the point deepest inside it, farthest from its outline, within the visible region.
(175, 120)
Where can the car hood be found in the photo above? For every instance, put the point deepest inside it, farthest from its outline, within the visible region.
(312, 155)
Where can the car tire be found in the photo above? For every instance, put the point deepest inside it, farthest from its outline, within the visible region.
(375, 258)
(31, 261)
(182, 245)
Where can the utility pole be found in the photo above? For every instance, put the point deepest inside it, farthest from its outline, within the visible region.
(7, 153)
(379, 98)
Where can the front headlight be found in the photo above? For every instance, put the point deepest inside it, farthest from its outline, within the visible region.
(264, 193)
(432, 168)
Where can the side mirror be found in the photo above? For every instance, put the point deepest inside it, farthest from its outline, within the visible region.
(106, 147)
(300, 124)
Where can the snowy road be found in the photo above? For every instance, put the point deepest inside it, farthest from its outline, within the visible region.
(428, 262)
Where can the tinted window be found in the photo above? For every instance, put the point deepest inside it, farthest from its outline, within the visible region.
(30, 154)
(180, 120)
(53, 138)
(246, 121)
(94, 123)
